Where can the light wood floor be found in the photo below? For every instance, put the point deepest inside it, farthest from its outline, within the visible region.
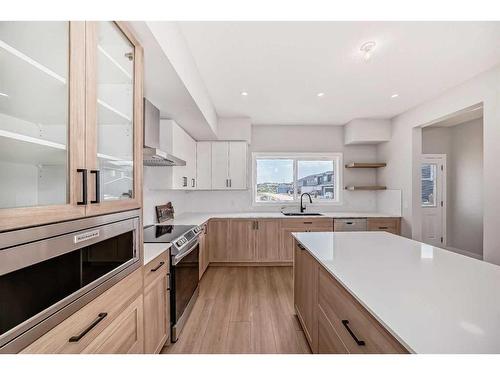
(243, 310)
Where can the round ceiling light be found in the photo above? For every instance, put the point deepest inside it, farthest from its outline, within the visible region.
(320, 94)
(394, 96)
(244, 93)
(367, 49)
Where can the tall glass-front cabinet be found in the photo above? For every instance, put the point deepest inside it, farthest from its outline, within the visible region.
(70, 121)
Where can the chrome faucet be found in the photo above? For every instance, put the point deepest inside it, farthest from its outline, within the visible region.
(302, 207)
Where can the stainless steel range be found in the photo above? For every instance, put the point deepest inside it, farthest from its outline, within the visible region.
(184, 268)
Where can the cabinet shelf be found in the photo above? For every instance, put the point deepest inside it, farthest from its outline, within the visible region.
(365, 165)
(366, 188)
(19, 148)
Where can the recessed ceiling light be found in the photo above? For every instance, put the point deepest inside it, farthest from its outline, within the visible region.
(367, 49)
(2, 94)
(244, 93)
(393, 96)
(320, 94)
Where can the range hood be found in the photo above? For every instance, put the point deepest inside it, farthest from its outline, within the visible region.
(152, 155)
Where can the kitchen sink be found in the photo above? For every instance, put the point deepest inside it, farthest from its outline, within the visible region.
(301, 214)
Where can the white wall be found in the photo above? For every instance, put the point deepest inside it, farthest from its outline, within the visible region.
(463, 145)
(403, 150)
(273, 138)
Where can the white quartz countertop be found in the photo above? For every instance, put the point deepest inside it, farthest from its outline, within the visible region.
(432, 300)
(152, 250)
(197, 218)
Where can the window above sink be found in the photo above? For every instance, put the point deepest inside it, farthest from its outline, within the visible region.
(280, 178)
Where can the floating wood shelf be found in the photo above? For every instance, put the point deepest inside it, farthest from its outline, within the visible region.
(365, 165)
(352, 188)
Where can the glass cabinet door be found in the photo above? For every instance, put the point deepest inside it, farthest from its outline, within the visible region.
(111, 179)
(36, 119)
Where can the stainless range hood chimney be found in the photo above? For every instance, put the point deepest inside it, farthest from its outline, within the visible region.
(152, 155)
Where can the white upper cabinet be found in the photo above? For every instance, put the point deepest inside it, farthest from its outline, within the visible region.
(183, 147)
(220, 165)
(229, 165)
(237, 165)
(204, 165)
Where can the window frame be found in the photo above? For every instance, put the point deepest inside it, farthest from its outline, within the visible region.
(336, 157)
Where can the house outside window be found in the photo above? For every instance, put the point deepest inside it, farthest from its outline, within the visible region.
(282, 177)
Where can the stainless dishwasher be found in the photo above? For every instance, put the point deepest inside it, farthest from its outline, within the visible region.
(349, 225)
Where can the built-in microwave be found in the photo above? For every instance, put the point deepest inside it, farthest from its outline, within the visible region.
(49, 272)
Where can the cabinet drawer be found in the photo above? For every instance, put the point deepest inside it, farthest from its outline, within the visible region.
(310, 223)
(112, 303)
(156, 267)
(387, 225)
(329, 341)
(357, 329)
(124, 335)
(349, 225)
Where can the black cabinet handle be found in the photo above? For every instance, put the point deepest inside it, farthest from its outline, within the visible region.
(383, 227)
(345, 322)
(300, 246)
(192, 182)
(84, 186)
(184, 181)
(97, 185)
(157, 267)
(99, 318)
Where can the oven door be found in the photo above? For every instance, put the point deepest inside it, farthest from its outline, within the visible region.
(184, 281)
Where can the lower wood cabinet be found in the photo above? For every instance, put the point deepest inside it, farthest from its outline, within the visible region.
(156, 304)
(332, 319)
(305, 280)
(218, 240)
(241, 241)
(115, 319)
(267, 240)
(390, 224)
(290, 226)
(204, 257)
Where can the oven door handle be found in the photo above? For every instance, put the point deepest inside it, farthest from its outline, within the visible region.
(179, 257)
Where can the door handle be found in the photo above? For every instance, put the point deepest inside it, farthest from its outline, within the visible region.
(97, 185)
(184, 181)
(230, 183)
(157, 267)
(84, 186)
(99, 318)
(192, 182)
(345, 322)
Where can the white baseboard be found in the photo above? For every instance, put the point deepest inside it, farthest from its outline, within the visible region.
(465, 252)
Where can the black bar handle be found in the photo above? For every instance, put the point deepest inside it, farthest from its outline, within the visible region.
(157, 267)
(84, 186)
(99, 318)
(97, 185)
(383, 227)
(345, 322)
(300, 246)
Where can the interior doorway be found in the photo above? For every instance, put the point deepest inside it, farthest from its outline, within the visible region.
(433, 199)
(451, 182)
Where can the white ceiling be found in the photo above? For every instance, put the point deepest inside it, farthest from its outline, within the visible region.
(283, 65)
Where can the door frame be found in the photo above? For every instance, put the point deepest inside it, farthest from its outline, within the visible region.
(441, 158)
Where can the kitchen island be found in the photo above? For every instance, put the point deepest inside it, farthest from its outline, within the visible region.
(406, 296)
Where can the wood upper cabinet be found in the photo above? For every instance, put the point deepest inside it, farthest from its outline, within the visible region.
(305, 297)
(71, 131)
(114, 117)
(156, 304)
(42, 122)
(242, 240)
(218, 240)
(267, 240)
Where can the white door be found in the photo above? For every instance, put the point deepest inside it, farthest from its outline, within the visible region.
(237, 165)
(220, 165)
(433, 199)
(204, 165)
